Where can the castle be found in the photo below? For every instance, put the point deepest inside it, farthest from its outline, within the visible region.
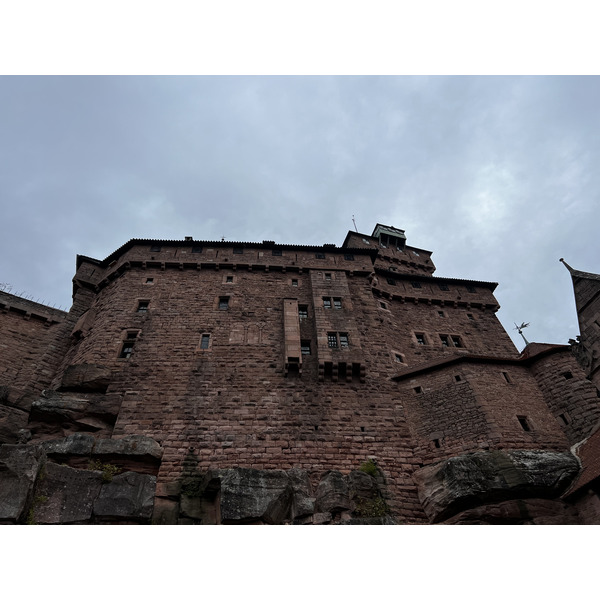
(203, 382)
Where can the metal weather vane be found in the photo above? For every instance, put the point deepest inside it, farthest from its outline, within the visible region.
(520, 328)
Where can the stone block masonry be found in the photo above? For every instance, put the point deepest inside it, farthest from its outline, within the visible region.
(282, 383)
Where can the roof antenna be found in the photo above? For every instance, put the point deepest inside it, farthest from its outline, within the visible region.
(354, 224)
(520, 328)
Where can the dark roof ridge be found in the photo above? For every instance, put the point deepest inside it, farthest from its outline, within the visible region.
(467, 357)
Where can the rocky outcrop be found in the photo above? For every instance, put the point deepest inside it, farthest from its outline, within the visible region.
(19, 469)
(57, 413)
(272, 497)
(468, 481)
(86, 377)
(36, 489)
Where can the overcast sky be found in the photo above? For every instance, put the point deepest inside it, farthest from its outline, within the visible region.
(498, 176)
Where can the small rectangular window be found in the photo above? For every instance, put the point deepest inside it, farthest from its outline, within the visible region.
(524, 423)
(445, 340)
(205, 341)
(155, 248)
(332, 341)
(126, 349)
(398, 358)
(436, 443)
(238, 250)
(416, 284)
(327, 302)
(196, 249)
(337, 303)
(383, 305)
(303, 311)
(294, 283)
(470, 317)
(418, 389)
(142, 306)
(277, 253)
(391, 281)
(348, 256)
(327, 276)
(441, 313)
(444, 287)
(567, 375)
(420, 339)
(223, 302)
(344, 340)
(149, 280)
(563, 417)
(305, 347)
(229, 279)
(319, 255)
(457, 341)
(471, 289)
(457, 378)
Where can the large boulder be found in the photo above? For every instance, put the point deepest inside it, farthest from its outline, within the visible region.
(65, 495)
(332, 494)
(255, 495)
(19, 468)
(86, 377)
(127, 497)
(467, 481)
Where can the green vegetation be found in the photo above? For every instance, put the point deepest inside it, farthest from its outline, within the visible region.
(369, 467)
(31, 514)
(108, 470)
(375, 507)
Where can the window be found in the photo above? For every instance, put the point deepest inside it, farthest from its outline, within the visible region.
(229, 279)
(142, 306)
(196, 249)
(277, 253)
(436, 443)
(418, 389)
(391, 281)
(471, 289)
(457, 341)
(506, 377)
(348, 256)
(337, 340)
(383, 305)
(303, 311)
(523, 421)
(567, 375)
(238, 250)
(398, 357)
(444, 287)
(327, 302)
(126, 349)
(327, 276)
(441, 313)
(150, 280)
(128, 344)
(205, 341)
(564, 418)
(420, 337)
(223, 302)
(445, 340)
(470, 317)
(155, 248)
(319, 255)
(337, 303)
(457, 378)
(294, 283)
(415, 284)
(305, 347)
